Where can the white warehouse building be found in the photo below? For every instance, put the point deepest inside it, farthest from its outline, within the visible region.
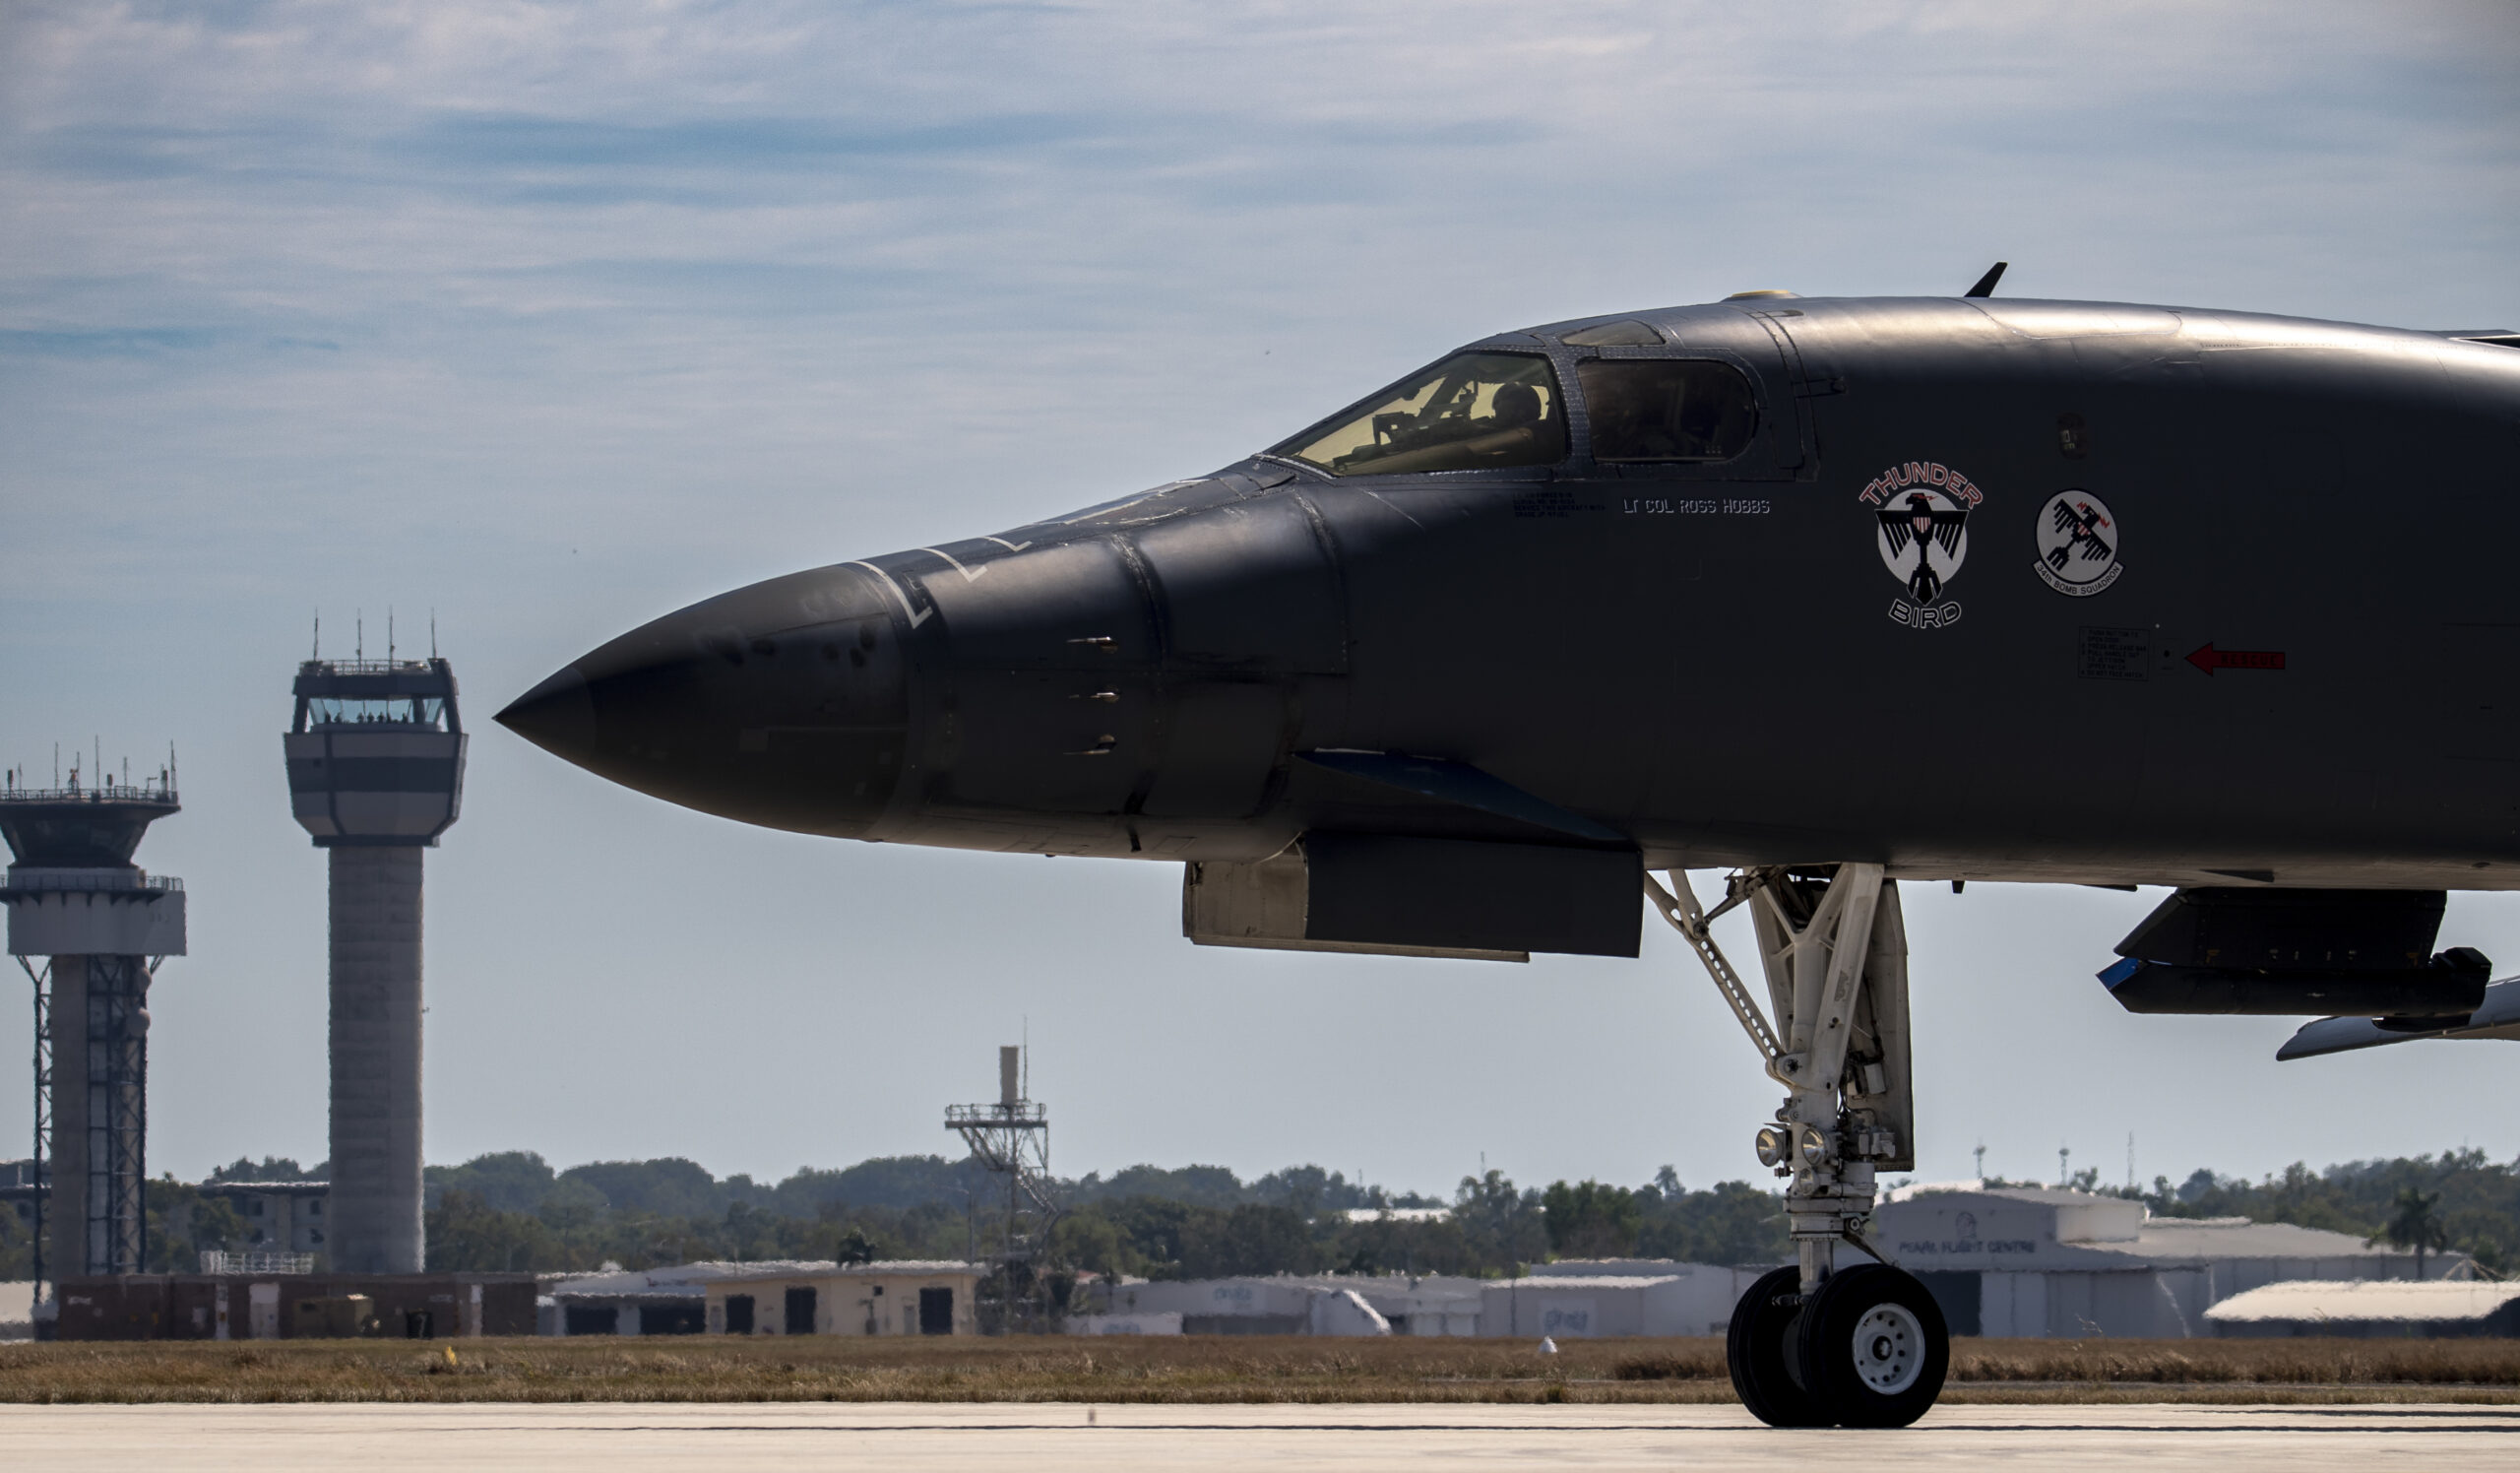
(2045, 1262)
(1569, 1300)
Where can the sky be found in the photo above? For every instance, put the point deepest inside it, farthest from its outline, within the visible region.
(544, 319)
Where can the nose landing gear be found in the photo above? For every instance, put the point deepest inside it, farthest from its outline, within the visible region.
(1873, 1347)
(1814, 1345)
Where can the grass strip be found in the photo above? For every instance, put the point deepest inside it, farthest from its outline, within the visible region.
(1204, 1368)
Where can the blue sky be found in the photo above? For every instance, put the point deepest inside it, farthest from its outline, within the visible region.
(550, 318)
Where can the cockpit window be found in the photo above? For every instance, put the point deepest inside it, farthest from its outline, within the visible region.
(1667, 409)
(1471, 411)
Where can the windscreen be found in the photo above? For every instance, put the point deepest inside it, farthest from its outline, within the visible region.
(1471, 411)
(1667, 409)
(392, 710)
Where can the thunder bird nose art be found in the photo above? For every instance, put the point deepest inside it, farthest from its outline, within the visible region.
(784, 704)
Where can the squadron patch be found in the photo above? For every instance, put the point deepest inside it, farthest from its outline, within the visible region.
(1924, 508)
(2078, 544)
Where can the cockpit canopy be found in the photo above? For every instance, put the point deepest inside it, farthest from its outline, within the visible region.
(1472, 412)
(1480, 410)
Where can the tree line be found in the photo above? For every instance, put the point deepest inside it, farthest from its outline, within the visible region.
(513, 1211)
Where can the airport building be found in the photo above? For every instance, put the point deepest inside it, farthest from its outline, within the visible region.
(897, 1298)
(1573, 1299)
(1634, 1297)
(2029, 1262)
(2041, 1263)
(669, 1301)
(2372, 1309)
(254, 1305)
(278, 1217)
(1285, 1305)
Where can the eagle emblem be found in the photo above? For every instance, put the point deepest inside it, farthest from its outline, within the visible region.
(1925, 538)
(2078, 544)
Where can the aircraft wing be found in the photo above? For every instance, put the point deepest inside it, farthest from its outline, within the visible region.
(2498, 1017)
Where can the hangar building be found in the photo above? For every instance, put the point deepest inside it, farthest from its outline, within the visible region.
(2038, 1263)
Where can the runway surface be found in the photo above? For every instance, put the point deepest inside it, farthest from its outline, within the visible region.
(1052, 1438)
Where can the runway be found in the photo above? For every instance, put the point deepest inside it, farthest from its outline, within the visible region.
(1056, 1437)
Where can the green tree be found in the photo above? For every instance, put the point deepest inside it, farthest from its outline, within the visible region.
(2414, 1224)
(1591, 1220)
(466, 1235)
(1251, 1239)
(1198, 1186)
(1382, 1246)
(1731, 1222)
(17, 1241)
(670, 1184)
(508, 1180)
(269, 1169)
(183, 1222)
(1503, 1228)
(1089, 1239)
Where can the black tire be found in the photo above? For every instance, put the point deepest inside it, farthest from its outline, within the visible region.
(1873, 1349)
(1759, 1349)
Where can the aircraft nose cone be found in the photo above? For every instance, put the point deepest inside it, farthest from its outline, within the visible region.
(557, 716)
(784, 704)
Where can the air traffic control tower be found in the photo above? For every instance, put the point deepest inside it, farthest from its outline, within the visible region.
(375, 773)
(75, 897)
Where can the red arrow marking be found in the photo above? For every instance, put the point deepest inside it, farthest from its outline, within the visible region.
(2209, 659)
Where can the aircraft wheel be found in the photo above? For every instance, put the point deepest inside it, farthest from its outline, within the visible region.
(1873, 1349)
(1759, 1348)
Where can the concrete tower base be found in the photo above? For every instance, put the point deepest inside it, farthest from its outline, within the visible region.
(374, 1216)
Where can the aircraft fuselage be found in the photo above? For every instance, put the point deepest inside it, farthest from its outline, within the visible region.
(1986, 589)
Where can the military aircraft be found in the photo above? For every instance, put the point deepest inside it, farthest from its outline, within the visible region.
(1825, 592)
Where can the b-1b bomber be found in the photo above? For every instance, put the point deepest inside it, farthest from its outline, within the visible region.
(1825, 593)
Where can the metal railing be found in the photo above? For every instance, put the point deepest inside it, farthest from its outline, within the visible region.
(1022, 1113)
(366, 667)
(214, 1261)
(104, 792)
(30, 879)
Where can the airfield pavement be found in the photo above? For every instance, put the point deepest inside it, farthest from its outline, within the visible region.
(1054, 1437)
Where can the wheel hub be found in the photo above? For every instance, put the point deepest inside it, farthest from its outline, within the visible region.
(1889, 1348)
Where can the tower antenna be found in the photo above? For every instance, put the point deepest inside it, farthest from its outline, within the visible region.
(318, 651)
(358, 644)
(389, 634)
(432, 634)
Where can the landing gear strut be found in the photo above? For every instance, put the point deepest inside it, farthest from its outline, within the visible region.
(1816, 1345)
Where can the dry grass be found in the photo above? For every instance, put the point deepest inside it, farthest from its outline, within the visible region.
(1209, 1370)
